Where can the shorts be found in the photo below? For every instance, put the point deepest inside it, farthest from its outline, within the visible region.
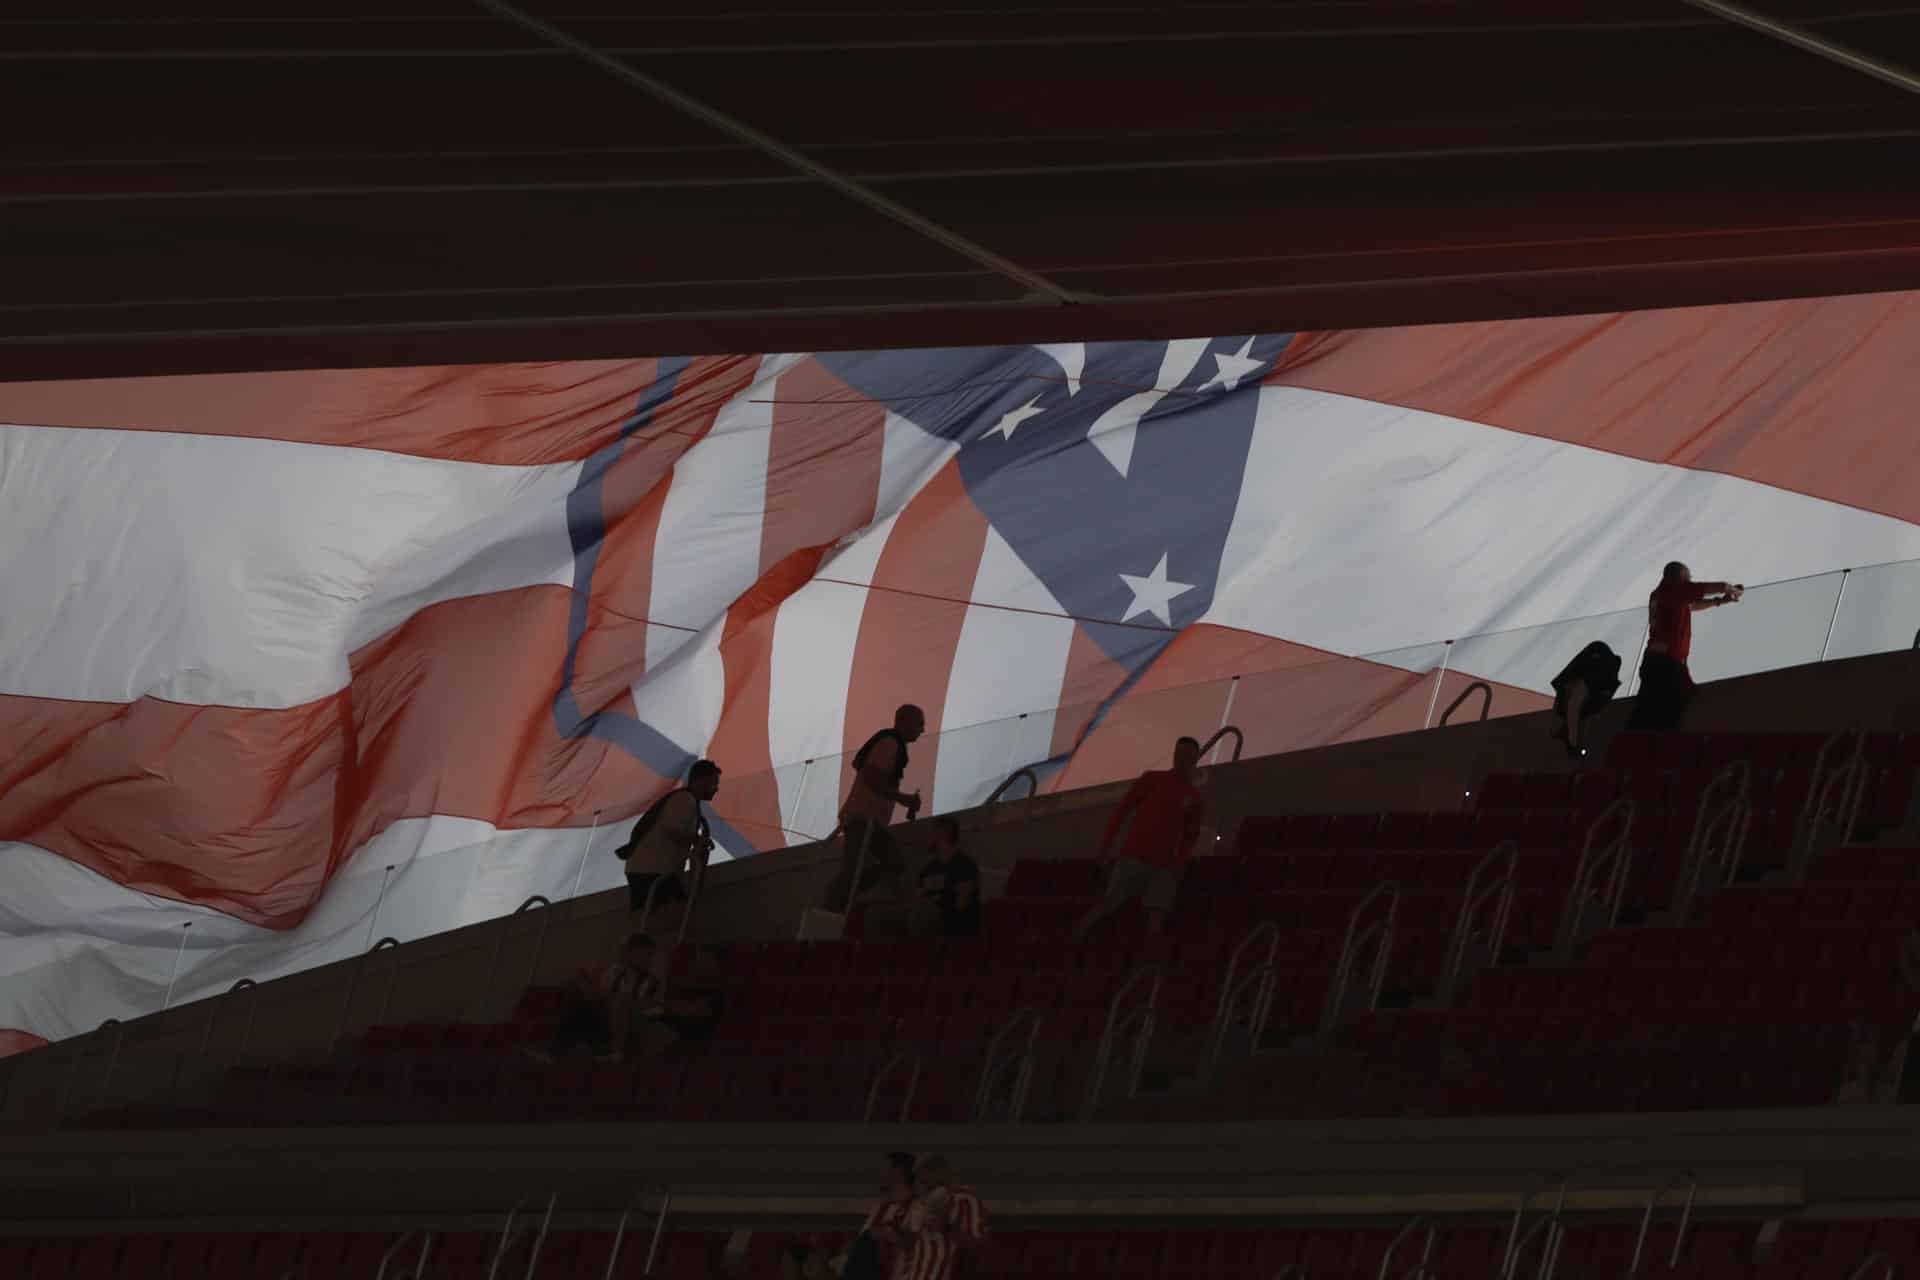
(1153, 885)
(640, 882)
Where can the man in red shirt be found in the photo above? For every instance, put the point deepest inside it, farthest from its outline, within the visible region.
(1165, 808)
(1665, 684)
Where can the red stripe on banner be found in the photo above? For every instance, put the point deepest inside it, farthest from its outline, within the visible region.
(823, 463)
(750, 798)
(249, 811)
(1789, 394)
(613, 652)
(1290, 697)
(14, 1041)
(1090, 680)
(910, 627)
(510, 414)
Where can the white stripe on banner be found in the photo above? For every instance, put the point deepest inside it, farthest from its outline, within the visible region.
(236, 572)
(1364, 528)
(706, 552)
(1007, 671)
(76, 949)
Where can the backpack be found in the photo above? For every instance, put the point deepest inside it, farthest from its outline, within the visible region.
(900, 761)
(650, 819)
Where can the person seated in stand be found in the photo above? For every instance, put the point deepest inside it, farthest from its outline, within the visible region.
(672, 836)
(607, 1004)
(945, 1223)
(881, 1250)
(879, 767)
(1579, 692)
(948, 902)
(1162, 813)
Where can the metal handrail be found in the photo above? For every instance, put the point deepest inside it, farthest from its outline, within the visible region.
(1260, 981)
(906, 1058)
(419, 1266)
(1380, 933)
(1426, 1251)
(1517, 1243)
(1500, 893)
(500, 943)
(508, 1236)
(1486, 701)
(620, 1230)
(1646, 1219)
(1887, 1268)
(1292, 1271)
(353, 987)
(1614, 855)
(1239, 742)
(1850, 778)
(995, 1066)
(1024, 771)
(1735, 816)
(1118, 1026)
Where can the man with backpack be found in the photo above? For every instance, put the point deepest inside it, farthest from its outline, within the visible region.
(671, 836)
(878, 769)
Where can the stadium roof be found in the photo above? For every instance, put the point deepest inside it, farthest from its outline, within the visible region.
(364, 182)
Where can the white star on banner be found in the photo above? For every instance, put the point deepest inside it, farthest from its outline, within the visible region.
(1010, 421)
(1154, 593)
(1233, 367)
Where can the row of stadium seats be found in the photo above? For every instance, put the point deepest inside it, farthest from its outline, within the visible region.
(807, 1025)
(1707, 1250)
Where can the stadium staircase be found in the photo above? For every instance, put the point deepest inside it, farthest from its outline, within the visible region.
(1647, 1012)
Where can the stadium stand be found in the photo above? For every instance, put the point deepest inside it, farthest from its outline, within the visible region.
(1700, 923)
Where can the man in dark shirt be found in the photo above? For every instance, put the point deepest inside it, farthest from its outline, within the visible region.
(1666, 686)
(949, 898)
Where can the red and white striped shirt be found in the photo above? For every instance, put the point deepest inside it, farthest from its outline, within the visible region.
(961, 1222)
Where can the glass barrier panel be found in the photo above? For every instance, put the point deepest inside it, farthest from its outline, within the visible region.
(1779, 625)
(1138, 730)
(1334, 699)
(1879, 611)
(1519, 665)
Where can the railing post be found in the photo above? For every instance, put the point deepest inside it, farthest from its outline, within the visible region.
(579, 876)
(1639, 656)
(1646, 1220)
(1380, 935)
(1616, 853)
(1500, 893)
(994, 1065)
(1834, 617)
(506, 1234)
(620, 1230)
(1439, 678)
(173, 975)
(420, 1264)
(374, 919)
(1426, 1252)
(659, 1229)
(1259, 980)
(1117, 1026)
(906, 1059)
